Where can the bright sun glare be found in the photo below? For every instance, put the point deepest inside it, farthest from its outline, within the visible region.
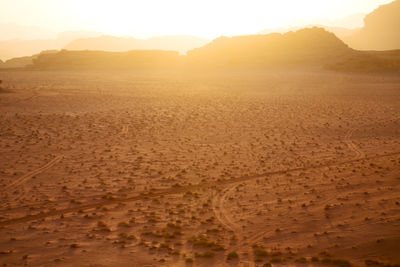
(205, 18)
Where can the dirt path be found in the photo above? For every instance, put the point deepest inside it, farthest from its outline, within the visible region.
(29, 175)
(175, 190)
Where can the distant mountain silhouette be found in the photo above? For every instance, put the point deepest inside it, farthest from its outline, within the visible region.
(22, 62)
(306, 46)
(353, 21)
(20, 48)
(340, 32)
(18, 62)
(381, 30)
(86, 40)
(132, 60)
(180, 43)
(310, 47)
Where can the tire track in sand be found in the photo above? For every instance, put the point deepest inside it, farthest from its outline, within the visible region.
(223, 215)
(29, 175)
(178, 190)
(125, 130)
(352, 146)
(220, 212)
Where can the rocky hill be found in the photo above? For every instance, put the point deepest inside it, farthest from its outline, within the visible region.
(132, 60)
(381, 30)
(305, 46)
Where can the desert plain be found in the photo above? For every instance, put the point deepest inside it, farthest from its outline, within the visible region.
(234, 168)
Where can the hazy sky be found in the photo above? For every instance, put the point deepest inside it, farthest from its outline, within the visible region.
(205, 18)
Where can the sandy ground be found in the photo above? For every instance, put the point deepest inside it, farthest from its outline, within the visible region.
(224, 169)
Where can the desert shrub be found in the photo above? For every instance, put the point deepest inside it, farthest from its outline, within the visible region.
(214, 230)
(176, 252)
(371, 262)
(276, 259)
(325, 253)
(314, 259)
(164, 245)
(217, 247)
(124, 224)
(260, 253)
(125, 235)
(206, 254)
(174, 226)
(301, 260)
(326, 260)
(341, 262)
(232, 255)
(276, 253)
(201, 242)
(103, 226)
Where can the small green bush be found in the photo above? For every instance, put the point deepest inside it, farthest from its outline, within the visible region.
(260, 253)
(276, 259)
(341, 262)
(314, 259)
(206, 254)
(232, 256)
(301, 260)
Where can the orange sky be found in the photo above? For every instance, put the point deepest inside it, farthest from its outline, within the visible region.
(205, 18)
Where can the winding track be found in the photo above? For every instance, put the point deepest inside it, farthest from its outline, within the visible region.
(223, 215)
(218, 201)
(174, 190)
(29, 175)
(352, 146)
(219, 210)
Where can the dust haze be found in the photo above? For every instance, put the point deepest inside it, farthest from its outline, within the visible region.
(276, 149)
